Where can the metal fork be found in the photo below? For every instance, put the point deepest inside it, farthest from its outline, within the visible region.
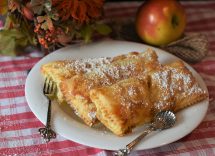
(49, 90)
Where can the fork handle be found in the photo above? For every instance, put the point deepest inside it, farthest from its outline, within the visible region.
(48, 119)
(132, 144)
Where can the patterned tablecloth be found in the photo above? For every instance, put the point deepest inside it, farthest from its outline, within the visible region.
(19, 127)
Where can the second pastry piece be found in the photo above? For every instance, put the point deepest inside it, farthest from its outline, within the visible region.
(124, 105)
(76, 90)
(173, 87)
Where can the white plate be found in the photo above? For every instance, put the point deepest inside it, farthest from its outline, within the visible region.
(67, 125)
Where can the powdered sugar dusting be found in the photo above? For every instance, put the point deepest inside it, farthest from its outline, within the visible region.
(111, 73)
(92, 115)
(107, 71)
(178, 75)
(131, 91)
(195, 89)
(162, 78)
(87, 65)
(71, 67)
(189, 86)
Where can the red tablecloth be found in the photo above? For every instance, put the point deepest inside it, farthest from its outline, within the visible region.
(19, 127)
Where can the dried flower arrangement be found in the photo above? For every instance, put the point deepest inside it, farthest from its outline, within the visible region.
(50, 23)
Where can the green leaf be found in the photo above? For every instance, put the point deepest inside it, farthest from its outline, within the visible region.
(8, 22)
(37, 6)
(22, 42)
(86, 33)
(54, 16)
(9, 48)
(10, 40)
(7, 45)
(13, 33)
(103, 29)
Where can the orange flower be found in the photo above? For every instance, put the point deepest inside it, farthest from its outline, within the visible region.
(3, 7)
(80, 10)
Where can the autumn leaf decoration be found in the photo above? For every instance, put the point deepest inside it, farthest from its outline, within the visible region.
(16, 32)
(79, 10)
(52, 23)
(3, 7)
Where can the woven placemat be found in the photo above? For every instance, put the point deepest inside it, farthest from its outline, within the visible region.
(191, 48)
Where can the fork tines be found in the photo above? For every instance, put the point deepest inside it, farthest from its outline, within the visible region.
(49, 87)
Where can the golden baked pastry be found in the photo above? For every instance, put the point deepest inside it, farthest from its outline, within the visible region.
(160, 93)
(184, 87)
(60, 70)
(124, 105)
(76, 90)
(173, 87)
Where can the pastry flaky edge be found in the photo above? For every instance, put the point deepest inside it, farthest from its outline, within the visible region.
(184, 87)
(77, 89)
(135, 101)
(173, 87)
(124, 105)
(61, 70)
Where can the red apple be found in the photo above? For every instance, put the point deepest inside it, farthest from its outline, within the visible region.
(159, 22)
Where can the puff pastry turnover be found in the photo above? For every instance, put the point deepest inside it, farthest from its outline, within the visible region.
(173, 87)
(124, 105)
(134, 101)
(184, 87)
(58, 71)
(76, 90)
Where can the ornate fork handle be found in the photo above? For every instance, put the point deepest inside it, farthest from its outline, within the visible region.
(131, 145)
(46, 132)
